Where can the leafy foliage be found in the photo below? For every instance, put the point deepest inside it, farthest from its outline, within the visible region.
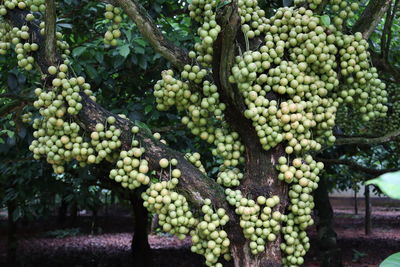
(389, 183)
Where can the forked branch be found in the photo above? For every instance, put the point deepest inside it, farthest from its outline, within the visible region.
(368, 141)
(177, 56)
(371, 16)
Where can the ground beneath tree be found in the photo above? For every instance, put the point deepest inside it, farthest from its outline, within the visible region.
(113, 248)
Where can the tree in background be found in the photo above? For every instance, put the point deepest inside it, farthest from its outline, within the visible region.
(262, 92)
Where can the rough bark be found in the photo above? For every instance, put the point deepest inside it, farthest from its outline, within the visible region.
(174, 54)
(371, 16)
(327, 237)
(50, 33)
(260, 177)
(141, 251)
(154, 224)
(17, 18)
(368, 223)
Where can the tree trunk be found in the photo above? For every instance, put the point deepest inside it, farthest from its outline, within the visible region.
(154, 223)
(327, 242)
(367, 211)
(260, 176)
(141, 251)
(62, 212)
(94, 220)
(74, 212)
(242, 256)
(12, 241)
(355, 202)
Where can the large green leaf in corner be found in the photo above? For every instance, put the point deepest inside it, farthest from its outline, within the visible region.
(389, 183)
(391, 261)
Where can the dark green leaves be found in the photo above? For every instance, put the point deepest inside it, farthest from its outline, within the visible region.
(78, 51)
(124, 50)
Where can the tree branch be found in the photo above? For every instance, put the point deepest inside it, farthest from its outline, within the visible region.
(386, 37)
(386, 30)
(225, 48)
(383, 65)
(147, 27)
(371, 16)
(170, 128)
(367, 141)
(17, 19)
(50, 32)
(193, 184)
(18, 97)
(356, 166)
(10, 107)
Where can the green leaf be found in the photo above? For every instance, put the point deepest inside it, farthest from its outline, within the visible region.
(139, 50)
(91, 71)
(142, 125)
(221, 4)
(391, 261)
(325, 20)
(148, 108)
(65, 25)
(10, 133)
(140, 42)
(78, 51)
(143, 62)
(124, 50)
(128, 34)
(99, 57)
(388, 183)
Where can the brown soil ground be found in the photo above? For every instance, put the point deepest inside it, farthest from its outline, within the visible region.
(112, 247)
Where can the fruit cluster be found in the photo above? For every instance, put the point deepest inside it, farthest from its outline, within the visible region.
(113, 14)
(55, 137)
(260, 223)
(172, 208)
(208, 238)
(132, 170)
(302, 175)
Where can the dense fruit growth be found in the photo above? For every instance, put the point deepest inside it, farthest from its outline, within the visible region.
(292, 84)
(113, 14)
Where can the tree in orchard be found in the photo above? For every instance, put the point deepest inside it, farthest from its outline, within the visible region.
(262, 92)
